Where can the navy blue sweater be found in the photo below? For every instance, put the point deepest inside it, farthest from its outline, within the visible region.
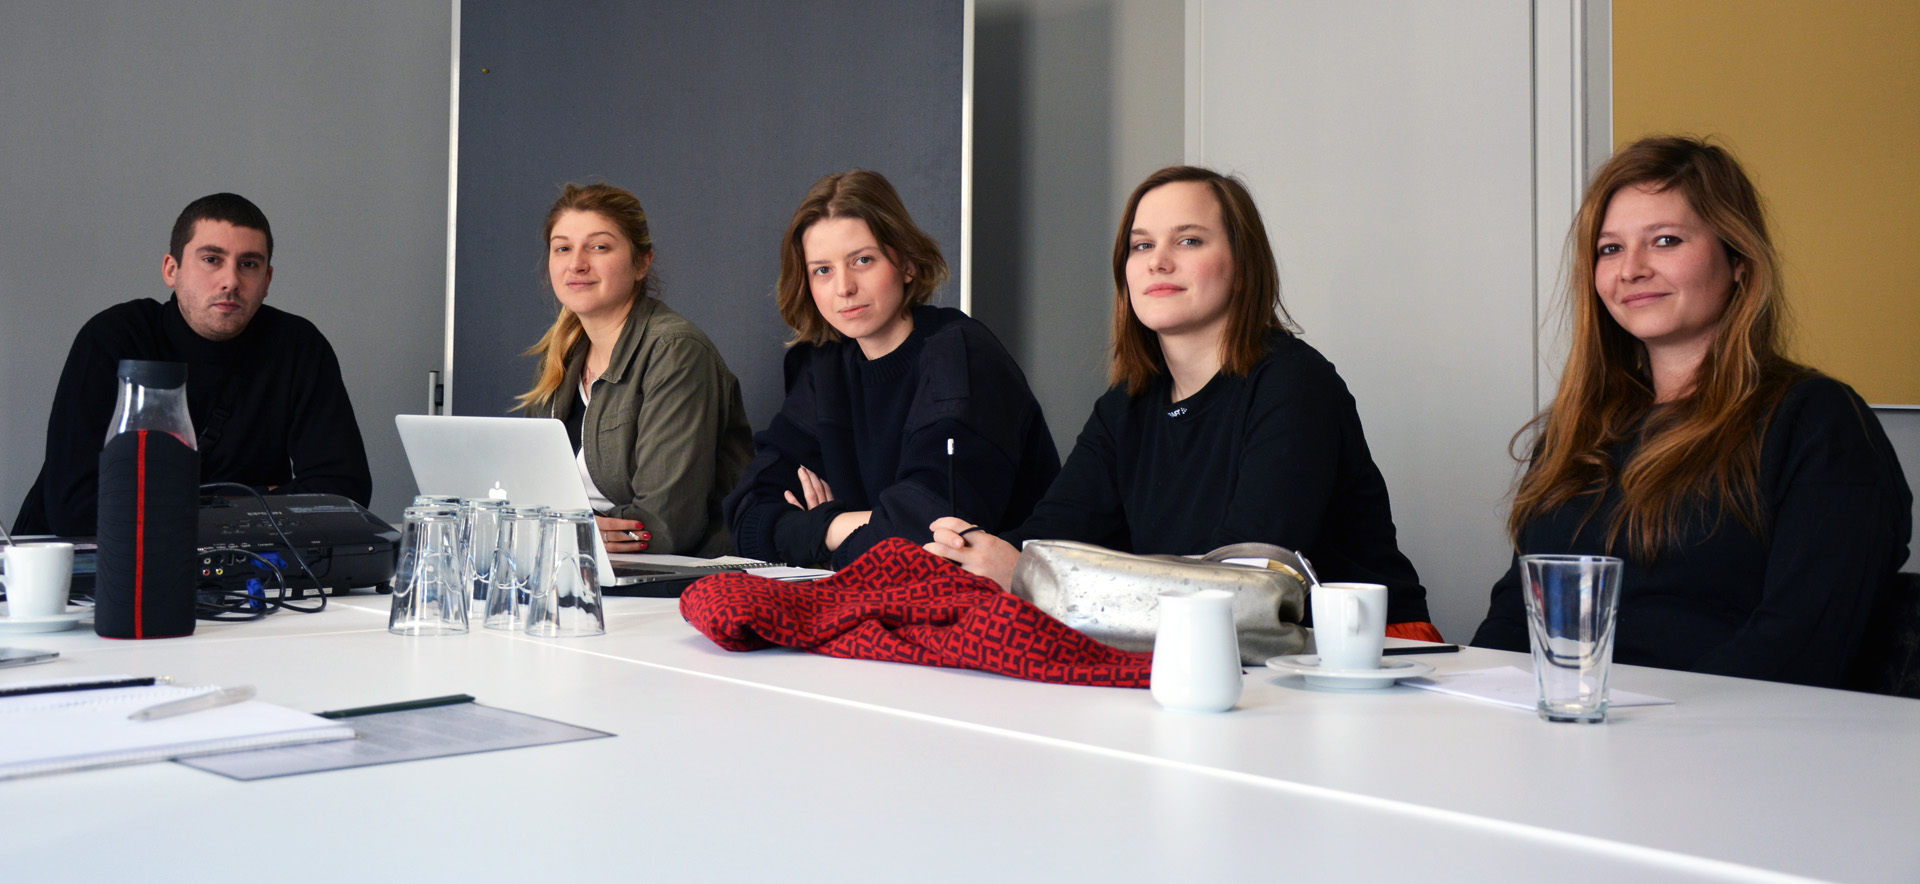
(876, 431)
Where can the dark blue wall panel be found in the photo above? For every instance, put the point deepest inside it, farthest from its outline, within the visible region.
(718, 115)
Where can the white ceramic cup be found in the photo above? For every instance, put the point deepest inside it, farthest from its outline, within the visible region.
(1349, 625)
(36, 576)
(1196, 652)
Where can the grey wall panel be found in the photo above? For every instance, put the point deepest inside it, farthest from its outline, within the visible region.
(1903, 430)
(718, 116)
(1075, 101)
(1391, 148)
(331, 115)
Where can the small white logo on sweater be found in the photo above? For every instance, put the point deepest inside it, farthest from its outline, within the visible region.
(1177, 412)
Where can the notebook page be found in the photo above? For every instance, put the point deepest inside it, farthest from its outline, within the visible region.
(83, 729)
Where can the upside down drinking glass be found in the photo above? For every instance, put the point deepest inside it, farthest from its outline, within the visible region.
(515, 566)
(566, 599)
(479, 544)
(429, 597)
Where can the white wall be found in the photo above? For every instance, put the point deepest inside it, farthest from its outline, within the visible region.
(1418, 165)
(332, 116)
(1391, 148)
(1075, 101)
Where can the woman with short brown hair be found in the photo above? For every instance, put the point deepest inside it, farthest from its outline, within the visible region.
(897, 412)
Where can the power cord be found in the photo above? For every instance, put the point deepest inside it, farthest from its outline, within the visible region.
(219, 603)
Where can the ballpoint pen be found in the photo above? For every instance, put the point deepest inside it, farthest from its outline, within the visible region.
(1420, 649)
(196, 703)
(95, 685)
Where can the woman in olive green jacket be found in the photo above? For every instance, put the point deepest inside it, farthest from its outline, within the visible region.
(653, 413)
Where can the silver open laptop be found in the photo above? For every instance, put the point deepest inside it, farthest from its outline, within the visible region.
(529, 462)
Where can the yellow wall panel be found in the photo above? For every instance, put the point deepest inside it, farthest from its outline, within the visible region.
(1821, 103)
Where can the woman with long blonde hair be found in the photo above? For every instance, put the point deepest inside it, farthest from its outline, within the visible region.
(1756, 502)
(654, 415)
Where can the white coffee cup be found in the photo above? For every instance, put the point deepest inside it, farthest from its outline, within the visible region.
(36, 576)
(1349, 625)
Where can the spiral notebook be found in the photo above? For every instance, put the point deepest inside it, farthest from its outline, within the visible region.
(78, 730)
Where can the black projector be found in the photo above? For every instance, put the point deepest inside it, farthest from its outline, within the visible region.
(342, 543)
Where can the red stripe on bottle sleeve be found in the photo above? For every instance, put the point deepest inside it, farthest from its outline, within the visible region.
(140, 542)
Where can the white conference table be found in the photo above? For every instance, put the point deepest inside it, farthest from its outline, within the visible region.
(778, 763)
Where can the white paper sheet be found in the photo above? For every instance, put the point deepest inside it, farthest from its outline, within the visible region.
(1511, 686)
(77, 730)
(789, 573)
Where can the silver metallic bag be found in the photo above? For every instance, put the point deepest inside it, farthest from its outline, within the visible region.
(1113, 597)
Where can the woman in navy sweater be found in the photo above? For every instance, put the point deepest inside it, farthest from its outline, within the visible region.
(1757, 503)
(897, 412)
(1221, 426)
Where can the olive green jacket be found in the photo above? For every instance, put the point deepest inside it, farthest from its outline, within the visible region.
(665, 433)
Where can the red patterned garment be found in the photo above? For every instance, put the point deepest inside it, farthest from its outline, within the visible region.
(903, 604)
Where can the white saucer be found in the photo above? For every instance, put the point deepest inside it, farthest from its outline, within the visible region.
(55, 623)
(1390, 671)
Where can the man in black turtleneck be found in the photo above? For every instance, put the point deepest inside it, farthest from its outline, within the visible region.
(263, 385)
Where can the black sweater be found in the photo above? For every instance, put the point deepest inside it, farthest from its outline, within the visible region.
(876, 431)
(1786, 605)
(1276, 456)
(290, 425)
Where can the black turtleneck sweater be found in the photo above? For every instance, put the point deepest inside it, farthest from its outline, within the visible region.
(287, 422)
(877, 430)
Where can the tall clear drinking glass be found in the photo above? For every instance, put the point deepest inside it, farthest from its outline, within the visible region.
(1571, 606)
(566, 598)
(516, 563)
(428, 595)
